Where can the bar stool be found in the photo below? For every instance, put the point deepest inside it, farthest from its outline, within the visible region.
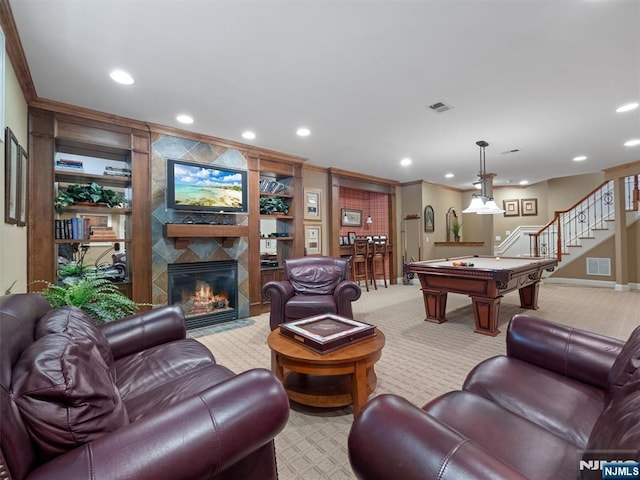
(377, 257)
(360, 261)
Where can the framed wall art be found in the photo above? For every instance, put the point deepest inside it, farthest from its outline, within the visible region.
(351, 218)
(313, 239)
(529, 207)
(511, 208)
(429, 219)
(22, 201)
(11, 177)
(312, 199)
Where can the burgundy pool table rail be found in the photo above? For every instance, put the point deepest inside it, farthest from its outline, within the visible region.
(486, 282)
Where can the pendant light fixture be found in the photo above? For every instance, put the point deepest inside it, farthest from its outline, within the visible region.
(483, 204)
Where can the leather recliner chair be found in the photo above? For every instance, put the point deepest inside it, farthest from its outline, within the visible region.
(311, 286)
(128, 399)
(559, 402)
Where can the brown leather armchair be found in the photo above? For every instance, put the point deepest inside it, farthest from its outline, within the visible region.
(311, 286)
(129, 399)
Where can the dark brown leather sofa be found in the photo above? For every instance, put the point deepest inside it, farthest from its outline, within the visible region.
(130, 399)
(559, 401)
(311, 286)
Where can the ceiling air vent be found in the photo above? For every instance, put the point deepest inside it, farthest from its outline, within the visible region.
(440, 107)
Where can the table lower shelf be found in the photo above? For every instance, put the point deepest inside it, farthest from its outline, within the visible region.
(324, 391)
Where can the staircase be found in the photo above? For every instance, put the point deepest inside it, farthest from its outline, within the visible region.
(578, 229)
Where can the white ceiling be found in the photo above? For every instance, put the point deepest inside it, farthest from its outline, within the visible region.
(542, 76)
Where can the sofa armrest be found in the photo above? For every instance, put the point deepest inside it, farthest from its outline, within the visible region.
(196, 438)
(278, 292)
(144, 330)
(345, 293)
(579, 354)
(392, 438)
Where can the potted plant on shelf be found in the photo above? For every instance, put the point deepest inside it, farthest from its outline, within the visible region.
(273, 206)
(456, 226)
(93, 194)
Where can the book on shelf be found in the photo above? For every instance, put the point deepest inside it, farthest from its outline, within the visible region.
(271, 186)
(69, 165)
(111, 173)
(117, 171)
(72, 229)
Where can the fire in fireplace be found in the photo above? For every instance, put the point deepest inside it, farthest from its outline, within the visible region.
(206, 291)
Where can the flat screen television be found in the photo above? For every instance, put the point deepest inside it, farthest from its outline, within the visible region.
(205, 188)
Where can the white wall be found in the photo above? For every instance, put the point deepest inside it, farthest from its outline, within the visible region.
(13, 239)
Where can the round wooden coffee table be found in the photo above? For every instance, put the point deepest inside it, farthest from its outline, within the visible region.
(335, 379)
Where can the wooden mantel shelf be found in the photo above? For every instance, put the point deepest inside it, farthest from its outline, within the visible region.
(182, 233)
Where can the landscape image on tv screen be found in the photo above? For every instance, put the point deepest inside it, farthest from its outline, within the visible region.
(207, 187)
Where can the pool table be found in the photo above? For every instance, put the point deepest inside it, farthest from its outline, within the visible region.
(485, 282)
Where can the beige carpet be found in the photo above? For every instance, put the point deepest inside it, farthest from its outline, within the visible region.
(420, 359)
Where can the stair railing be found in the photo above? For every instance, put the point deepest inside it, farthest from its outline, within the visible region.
(590, 214)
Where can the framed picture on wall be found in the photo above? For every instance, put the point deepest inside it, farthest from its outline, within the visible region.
(351, 218)
(23, 179)
(511, 208)
(11, 178)
(529, 207)
(312, 198)
(313, 239)
(429, 219)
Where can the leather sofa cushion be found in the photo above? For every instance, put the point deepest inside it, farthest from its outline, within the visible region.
(174, 390)
(625, 365)
(575, 408)
(529, 448)
(75, 322)
(144, 371)
(317, 280)
(65, 394)
(303, 306)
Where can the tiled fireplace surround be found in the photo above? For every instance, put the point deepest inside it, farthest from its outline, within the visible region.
(199, 249)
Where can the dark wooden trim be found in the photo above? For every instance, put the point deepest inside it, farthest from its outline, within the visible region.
(15, 52)
(348, 178)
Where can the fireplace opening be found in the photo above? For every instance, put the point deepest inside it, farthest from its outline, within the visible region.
(206, 291)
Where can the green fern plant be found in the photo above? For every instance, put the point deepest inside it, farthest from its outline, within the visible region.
(97, 296)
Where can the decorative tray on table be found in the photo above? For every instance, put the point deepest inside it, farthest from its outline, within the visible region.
(327, 332)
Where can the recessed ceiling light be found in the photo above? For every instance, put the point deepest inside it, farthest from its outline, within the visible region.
(632, 143)
(628, 107)
(122, 77)
(249, 135)
(449, 175)
(303, 132)
(184, 119)
(405, 162)
(524, 182)
(579, 158)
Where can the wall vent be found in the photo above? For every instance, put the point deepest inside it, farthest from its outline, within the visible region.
(599, 266)
(440, 107)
